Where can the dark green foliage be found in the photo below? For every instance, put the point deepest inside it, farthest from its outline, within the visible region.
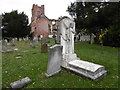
(15, 24)
(95, 17)
(112, 38)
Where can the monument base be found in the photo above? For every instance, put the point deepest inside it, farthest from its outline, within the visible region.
(87, 69)
(67, 58)
(49, 75)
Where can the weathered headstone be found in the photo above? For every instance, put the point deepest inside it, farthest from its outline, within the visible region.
(35, 41)
(54, 60)
(92, 38)
(27, 38)
(76, 38)
(20, 39)
(4, 45)
(4, 42)
(43, 41)
(44, 48)
(12, 42)
(85, 37)
(4, 48)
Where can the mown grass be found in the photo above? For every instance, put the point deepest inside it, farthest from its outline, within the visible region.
(33, 64)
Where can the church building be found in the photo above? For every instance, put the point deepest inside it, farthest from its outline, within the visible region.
(41, 26)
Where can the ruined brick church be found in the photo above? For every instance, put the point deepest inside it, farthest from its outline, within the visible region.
(41, 26)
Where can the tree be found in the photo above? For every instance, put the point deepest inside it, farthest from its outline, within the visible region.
(87, 15)
(96, 17)
(15, 24)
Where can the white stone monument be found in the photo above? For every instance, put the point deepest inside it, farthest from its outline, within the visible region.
(67, 27)
(70, 60)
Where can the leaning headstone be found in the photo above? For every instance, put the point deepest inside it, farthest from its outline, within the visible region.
(54, 60)
(21, 83)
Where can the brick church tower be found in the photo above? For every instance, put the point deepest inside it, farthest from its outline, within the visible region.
(39, 22)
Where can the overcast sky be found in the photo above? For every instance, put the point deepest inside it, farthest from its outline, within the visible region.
(53, 8)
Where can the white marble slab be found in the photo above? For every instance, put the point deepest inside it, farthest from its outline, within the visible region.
(85, 65)
(87, 69)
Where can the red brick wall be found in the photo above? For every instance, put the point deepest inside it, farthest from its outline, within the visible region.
(39, 26)
(42, 27)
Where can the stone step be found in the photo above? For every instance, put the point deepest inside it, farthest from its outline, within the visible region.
(87, 69)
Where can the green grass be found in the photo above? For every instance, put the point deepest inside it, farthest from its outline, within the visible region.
(33, 64)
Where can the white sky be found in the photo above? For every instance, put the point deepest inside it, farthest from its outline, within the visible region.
(53, 8)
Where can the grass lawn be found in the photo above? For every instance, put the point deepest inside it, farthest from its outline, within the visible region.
(33, 64)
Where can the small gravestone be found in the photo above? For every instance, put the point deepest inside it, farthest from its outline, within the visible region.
(43, 40)
(27, 38)
(31, 45)
(4, 45)
(54, 60)
(6, 40)
(44, 48)
(20, 39)
(16, 49)
(12, 42)
(35, 40)
(92, 38)
(4, 48)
